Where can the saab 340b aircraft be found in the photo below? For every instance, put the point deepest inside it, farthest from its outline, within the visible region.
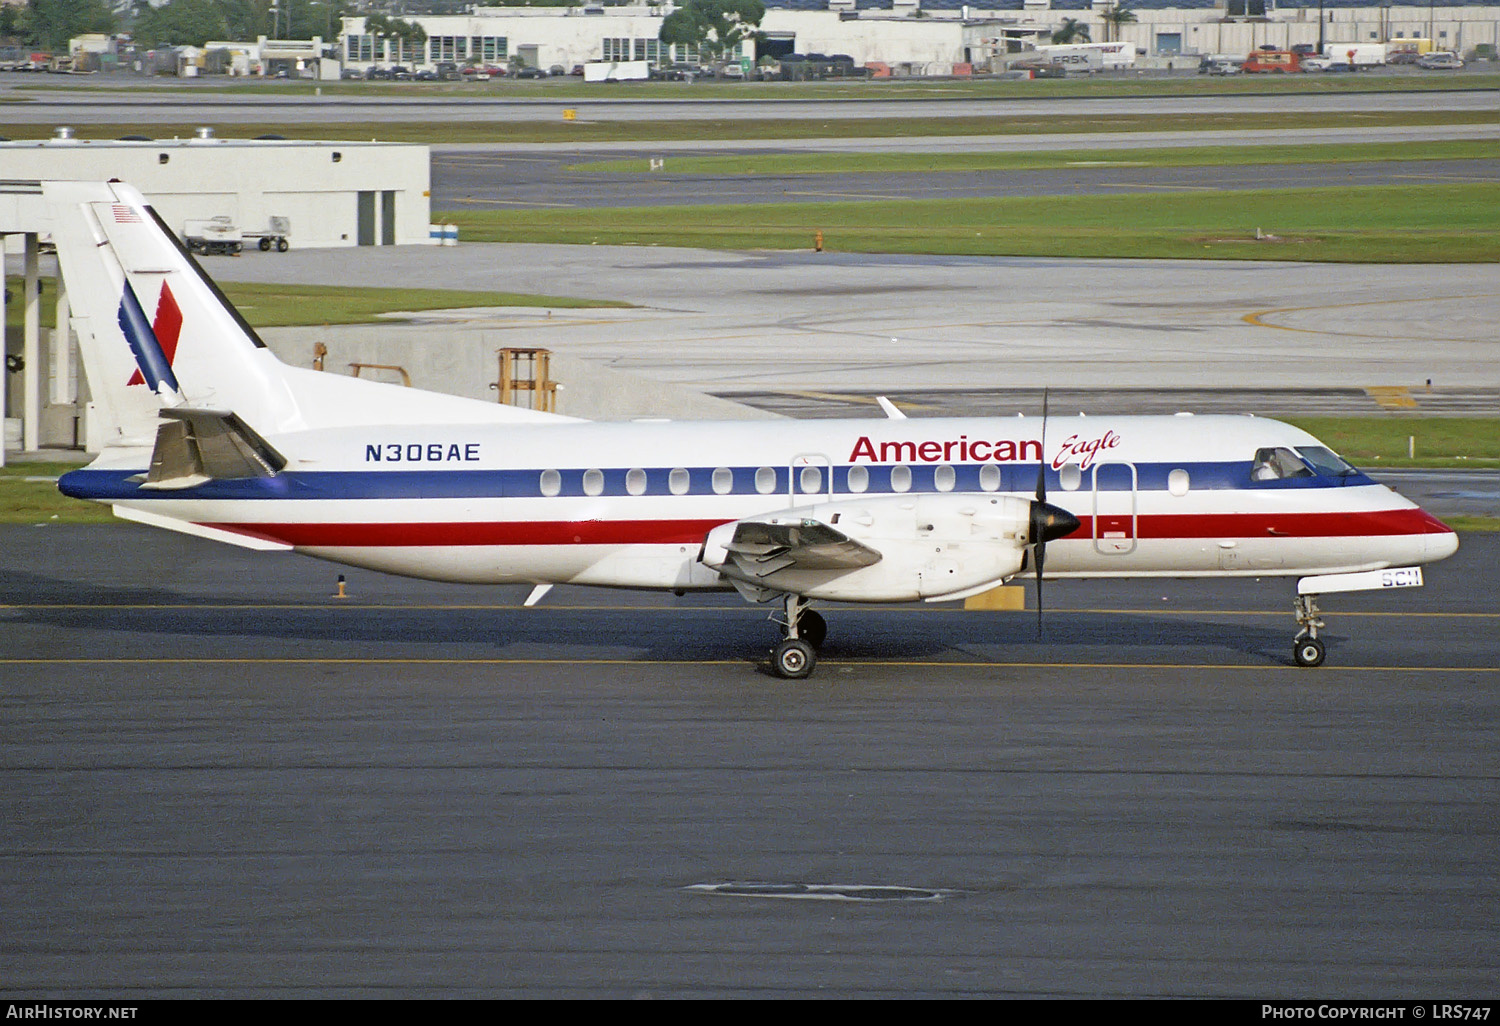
(214, 437)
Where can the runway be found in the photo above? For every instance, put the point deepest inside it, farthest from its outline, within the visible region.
(219, 780)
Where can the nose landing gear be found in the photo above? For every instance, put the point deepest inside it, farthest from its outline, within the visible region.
(1307, 650)
(803, 632)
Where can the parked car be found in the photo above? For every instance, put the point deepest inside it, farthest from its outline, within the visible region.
(1403, 57)
(531, 73)
(1223, 68)
(426, 76)
(401, 74)
(447, 71)
(378, 74)
(1441, 60)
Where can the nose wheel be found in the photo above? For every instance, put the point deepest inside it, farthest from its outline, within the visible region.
(1307, 650)
(803, 632)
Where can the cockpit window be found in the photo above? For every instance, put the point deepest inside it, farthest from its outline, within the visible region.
(1325, 462)
(1278, 464)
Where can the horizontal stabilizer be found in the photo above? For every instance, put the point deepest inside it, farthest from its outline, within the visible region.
(195, 446)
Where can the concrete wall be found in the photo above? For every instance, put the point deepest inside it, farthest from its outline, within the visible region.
(315, 184)
(463, 362)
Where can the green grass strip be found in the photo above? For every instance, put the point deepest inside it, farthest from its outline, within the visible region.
(274, 306)
(1375, 224)
(283, 305)
(1375, 442)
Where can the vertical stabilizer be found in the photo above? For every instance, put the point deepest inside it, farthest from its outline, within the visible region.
(153, 329)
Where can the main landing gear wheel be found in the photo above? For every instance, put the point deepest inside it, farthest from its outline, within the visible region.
(802, 632)
(1309, 652)
(793, 659)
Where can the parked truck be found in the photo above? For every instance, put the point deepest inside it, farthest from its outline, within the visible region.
(215, 235)
(1081, 57)
(616, 71)
(1272, 62)
(1356, 55)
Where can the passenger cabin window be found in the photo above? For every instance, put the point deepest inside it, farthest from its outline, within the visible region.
(900, 478)
(593, 482)
(551, 482)
(765, 480)
(1070, 477)
(677, 481)
(811, 480)
(1278, 464)
(635, 481)
(859, 479)
(989, 477)
(944, 478)
(723, 481)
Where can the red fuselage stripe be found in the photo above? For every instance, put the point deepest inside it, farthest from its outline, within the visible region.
(691, 532)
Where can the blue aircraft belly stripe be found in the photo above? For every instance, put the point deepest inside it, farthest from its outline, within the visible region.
(471, 484)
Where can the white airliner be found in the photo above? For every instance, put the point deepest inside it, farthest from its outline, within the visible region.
(214, 437)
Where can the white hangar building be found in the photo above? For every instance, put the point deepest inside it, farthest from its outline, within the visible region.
(923, 36)
(325, 194)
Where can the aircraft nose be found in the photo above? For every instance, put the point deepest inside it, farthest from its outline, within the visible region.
(1049, 522)
(1438, 546)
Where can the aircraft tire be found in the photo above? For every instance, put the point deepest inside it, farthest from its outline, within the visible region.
(793, 659)
(812, 628)
(1309, 652)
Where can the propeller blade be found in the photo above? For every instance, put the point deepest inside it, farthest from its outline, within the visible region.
(1047, 522)
(1038, 527)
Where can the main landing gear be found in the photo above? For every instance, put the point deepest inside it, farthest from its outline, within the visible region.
(1307, 650)
(803, 632)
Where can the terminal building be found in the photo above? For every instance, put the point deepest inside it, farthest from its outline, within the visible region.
(925, 37)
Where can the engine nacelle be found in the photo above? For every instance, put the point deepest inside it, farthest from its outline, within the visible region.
(887, 548)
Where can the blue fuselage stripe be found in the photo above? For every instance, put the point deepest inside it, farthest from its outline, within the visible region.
(528, 483)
